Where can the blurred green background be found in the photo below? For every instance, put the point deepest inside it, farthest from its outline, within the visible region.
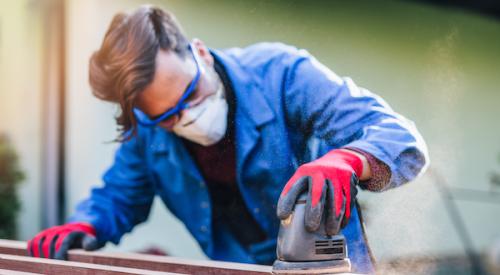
(440, 67)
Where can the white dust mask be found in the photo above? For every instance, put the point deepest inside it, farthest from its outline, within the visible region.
(206, 122)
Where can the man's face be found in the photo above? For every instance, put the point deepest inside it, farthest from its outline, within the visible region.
(173, 74)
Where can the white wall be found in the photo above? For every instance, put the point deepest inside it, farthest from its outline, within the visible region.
(20, 100)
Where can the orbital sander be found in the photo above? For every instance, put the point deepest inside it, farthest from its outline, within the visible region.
(302, 252)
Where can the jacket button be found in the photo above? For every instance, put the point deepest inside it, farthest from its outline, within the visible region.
(203, 228)
(256, 210)
(202, 184)
(204, 204)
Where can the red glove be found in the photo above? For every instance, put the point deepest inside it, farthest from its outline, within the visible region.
(55, 242)
(330, 179)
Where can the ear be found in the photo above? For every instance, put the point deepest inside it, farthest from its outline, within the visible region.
(203, 51)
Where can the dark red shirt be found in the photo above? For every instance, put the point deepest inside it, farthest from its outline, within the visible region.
(217, 163)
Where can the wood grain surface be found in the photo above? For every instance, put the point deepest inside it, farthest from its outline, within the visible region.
(134, 260)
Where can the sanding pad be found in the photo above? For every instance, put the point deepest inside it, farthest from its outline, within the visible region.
(319, 267)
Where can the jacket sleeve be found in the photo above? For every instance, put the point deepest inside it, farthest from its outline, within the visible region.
(334, 109)
(124, 200)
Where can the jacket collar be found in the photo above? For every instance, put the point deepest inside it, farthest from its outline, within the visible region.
(252, 108)
(249, 100)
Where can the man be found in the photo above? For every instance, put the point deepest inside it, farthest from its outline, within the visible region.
(229, 139)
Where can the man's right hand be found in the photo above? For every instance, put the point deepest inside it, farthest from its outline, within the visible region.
(54, 242)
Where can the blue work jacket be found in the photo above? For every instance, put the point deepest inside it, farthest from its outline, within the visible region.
(290, 109)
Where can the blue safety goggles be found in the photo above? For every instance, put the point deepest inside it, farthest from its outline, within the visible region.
(145, 120)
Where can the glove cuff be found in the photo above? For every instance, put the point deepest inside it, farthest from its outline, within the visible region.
(350, 158)
(381, 173)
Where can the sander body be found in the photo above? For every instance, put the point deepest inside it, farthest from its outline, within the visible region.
(302, 252)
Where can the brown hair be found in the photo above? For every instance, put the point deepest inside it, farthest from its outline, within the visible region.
(125, 63)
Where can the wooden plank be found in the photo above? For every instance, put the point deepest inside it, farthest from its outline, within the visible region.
(150, 262)
(170, 264)
(13, 247)
(48, 266)
(12, 272)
